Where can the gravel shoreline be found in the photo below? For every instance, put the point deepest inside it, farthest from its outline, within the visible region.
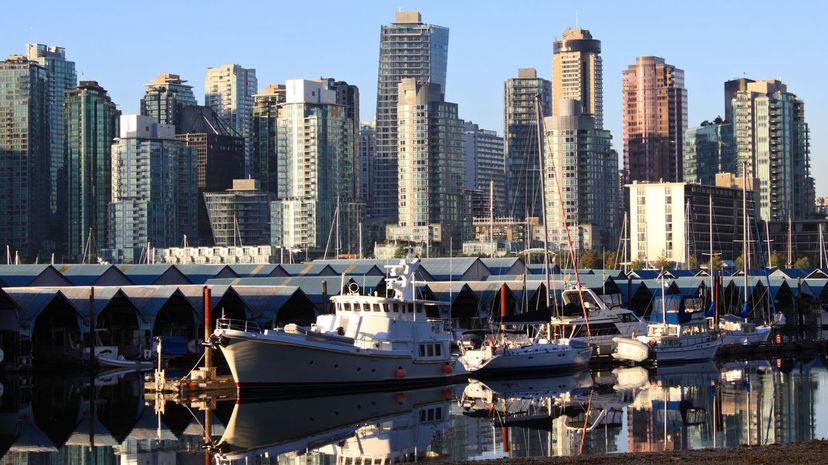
(805, 453)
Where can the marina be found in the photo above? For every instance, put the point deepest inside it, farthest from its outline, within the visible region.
(708, 405)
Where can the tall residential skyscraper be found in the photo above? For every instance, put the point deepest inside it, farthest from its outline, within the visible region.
(409, 48)
(220, 152)
(347, 95)
(520, 141)
(730, 88)
(580, 157)
(62, 77)
(577, 73)
(485, 170)
(91, 126)
(773, 139)
(229, 90)
(709, 149)
(266, 106)
(430, 139)
(316, 172)
(654, 118)
(154, 190)
(241, 215)
(24, 157)
(165, 97)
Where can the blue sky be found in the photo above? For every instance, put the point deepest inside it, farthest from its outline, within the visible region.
(123, 45)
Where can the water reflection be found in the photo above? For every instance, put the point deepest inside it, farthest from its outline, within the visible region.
(104, 420)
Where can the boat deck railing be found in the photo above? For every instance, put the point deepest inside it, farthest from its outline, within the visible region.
(238, 325)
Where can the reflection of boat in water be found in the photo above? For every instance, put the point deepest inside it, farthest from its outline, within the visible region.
(528, 402)
(370, 341)
(391, 422)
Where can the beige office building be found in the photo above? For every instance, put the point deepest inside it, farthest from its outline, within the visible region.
(577, 73)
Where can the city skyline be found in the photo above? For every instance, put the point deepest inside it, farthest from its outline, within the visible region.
(125, 66)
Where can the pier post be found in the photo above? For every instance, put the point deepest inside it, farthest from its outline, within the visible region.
(208, 353)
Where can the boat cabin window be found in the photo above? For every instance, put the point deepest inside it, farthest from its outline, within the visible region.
(395, 307)
(431, 350)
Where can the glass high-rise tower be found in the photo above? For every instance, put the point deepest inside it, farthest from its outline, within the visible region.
(409, 48)
(165, 97)
(62, 77)
(520, 141)
(229, 90)
(24, 158)
(91, 126)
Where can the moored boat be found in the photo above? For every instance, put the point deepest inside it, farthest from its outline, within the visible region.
(370, 341)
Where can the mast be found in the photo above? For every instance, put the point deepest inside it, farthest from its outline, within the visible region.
(790, 249)
(337, 242)
(563, 221)
(539, 115)
(710, 240)
(491, 216)
(821, 248)
(744, 228)
(768, 240)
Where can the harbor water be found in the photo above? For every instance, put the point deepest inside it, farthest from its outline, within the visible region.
(105, 419)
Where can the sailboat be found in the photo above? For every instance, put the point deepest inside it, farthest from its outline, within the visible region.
(517, 352)
(679, 333)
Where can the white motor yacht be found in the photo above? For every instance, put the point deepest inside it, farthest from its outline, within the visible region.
(679, 333)
(370, 341)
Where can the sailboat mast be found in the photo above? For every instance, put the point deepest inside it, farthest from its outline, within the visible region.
(491, 216)
(539, 116)
(744, 228)
(790, 249)
(710, 237)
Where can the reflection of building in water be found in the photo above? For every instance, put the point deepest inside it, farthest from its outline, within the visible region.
(674, 412)
(760, 406)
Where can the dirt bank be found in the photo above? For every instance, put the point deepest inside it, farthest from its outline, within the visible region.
(813, 452)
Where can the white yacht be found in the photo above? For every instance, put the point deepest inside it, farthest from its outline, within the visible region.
(739, 331)
(505, 352)
(370, 341)
(679, 333)
(605, 321)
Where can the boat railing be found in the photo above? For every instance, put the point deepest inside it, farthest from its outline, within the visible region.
(238, 325)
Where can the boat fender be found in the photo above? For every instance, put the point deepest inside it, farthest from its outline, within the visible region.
(633, 334)
(400, 397)
(652, 343)
(400, 373)
(448, 394)
(447, 368)
(778, 338)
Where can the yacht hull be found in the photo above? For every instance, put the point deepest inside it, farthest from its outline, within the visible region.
(518, 360)
(633, 350)
(739, 338)
(292, 361)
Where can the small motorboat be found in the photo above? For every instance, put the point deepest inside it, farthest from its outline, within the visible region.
(108, 357)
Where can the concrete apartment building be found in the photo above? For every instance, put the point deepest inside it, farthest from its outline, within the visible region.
(430, 138)
(581, 173)
(409, 48)
(577, 73)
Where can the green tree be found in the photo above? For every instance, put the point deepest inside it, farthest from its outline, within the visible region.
(663, 263)
(776, 260)
(609, 259)
(400, 252)
(717, 262)
(590, 260)
(692, 263)
(740, 264)
(802, 262)
(638, 264)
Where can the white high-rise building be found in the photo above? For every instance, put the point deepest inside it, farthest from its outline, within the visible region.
(229, 91)
(315, 171)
